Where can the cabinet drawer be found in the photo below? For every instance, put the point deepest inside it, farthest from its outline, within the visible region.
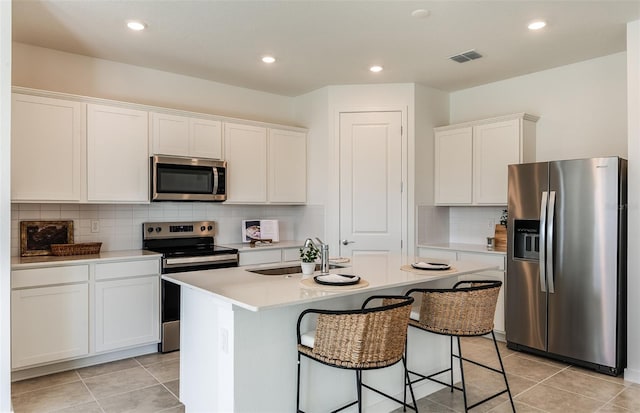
(127, 269)
(260, 257)
(35, 277)
(484, 258)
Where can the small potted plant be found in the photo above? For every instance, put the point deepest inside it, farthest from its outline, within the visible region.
(308, 257)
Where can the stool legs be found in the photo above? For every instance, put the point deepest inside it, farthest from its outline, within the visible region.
(359, 384)
(451, 360)
(298, 388)
(463, 388)
(504, 373)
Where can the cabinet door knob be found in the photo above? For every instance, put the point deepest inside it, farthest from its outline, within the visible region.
(347, 242)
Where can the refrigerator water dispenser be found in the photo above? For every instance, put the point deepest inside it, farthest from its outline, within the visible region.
(526, 241)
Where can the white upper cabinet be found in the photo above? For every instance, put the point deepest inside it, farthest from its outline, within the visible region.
(265, 165)
(186, 136)
(117, 154)
(245, 150)
(287, 166)
(46, 149)
(453, 156)
(471, 159)
(78, 149)
(496, 145)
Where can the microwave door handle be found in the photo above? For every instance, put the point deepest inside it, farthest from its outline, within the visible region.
(542, 231)
(215, 180)
(549, 253)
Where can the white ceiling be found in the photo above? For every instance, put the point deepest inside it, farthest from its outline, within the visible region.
(319, 43)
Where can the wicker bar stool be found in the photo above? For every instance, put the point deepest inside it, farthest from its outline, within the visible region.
(364, 339)
(462, 311)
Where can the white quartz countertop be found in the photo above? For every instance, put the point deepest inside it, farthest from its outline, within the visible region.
(49, 260)
(257, 292)
(463, 247)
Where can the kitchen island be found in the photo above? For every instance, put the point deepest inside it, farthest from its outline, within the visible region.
(238, 336)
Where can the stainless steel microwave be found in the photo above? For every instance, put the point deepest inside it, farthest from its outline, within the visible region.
(176, 178)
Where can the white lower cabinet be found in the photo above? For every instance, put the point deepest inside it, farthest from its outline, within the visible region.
(51, 308)
(49, 323)
(126, 312)
(489, 258)
(127, 303)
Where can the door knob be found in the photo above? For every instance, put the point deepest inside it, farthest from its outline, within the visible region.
(347, 242)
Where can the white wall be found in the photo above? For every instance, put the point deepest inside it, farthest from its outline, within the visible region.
(5, 205)
(632, 372)
(582, 107)
(48, 69)
(432, 109)
(312, 110)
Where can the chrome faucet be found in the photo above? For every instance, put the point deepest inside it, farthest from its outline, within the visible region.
(324, 253)
(324, 257)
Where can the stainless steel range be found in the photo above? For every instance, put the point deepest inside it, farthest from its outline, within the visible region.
(185, 246)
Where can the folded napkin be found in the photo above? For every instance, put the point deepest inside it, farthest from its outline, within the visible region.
(337, 278)
(430, 266)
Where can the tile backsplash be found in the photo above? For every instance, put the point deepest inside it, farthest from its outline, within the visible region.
(472, 225)
(120, 226)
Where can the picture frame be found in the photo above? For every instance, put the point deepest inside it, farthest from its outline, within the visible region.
(36, 237)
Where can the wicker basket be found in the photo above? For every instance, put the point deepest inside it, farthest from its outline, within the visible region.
(76, 249)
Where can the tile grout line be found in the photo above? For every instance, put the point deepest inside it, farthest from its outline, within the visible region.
(162, 384)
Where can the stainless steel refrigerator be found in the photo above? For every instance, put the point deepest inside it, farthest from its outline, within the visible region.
(566, 261)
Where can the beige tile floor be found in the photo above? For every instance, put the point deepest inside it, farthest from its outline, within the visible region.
(537, 385)
(150, 384)
(143, 384)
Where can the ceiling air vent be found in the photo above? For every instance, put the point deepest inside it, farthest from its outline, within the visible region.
(466, 56)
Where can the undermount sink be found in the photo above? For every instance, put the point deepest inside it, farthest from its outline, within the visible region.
(290, 269)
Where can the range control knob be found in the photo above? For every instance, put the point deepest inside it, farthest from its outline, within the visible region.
(202, 228)
(158, 229)
(150, 229)
(209, 227)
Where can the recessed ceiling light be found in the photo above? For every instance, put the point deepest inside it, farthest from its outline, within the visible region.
(268, 59)
(420, 13)
(136, 25)
(537, 25)
(376, 69)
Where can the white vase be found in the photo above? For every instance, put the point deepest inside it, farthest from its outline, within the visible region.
(308, 267)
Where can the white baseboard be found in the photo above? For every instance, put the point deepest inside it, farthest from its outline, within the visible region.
(38, 371)
(632, 375)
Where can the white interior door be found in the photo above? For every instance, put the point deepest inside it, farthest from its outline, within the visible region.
(370, 182)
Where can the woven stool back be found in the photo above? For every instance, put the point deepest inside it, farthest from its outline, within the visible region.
(459, 311)
(363, 339)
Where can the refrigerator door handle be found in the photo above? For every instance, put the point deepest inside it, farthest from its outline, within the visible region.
(542, 232)
(549, 246)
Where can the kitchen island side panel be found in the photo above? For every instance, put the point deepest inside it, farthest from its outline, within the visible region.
(233, 359)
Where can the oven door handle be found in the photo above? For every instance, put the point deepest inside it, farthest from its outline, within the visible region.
(203, 259)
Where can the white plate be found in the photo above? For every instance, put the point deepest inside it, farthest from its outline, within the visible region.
(433, 266)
